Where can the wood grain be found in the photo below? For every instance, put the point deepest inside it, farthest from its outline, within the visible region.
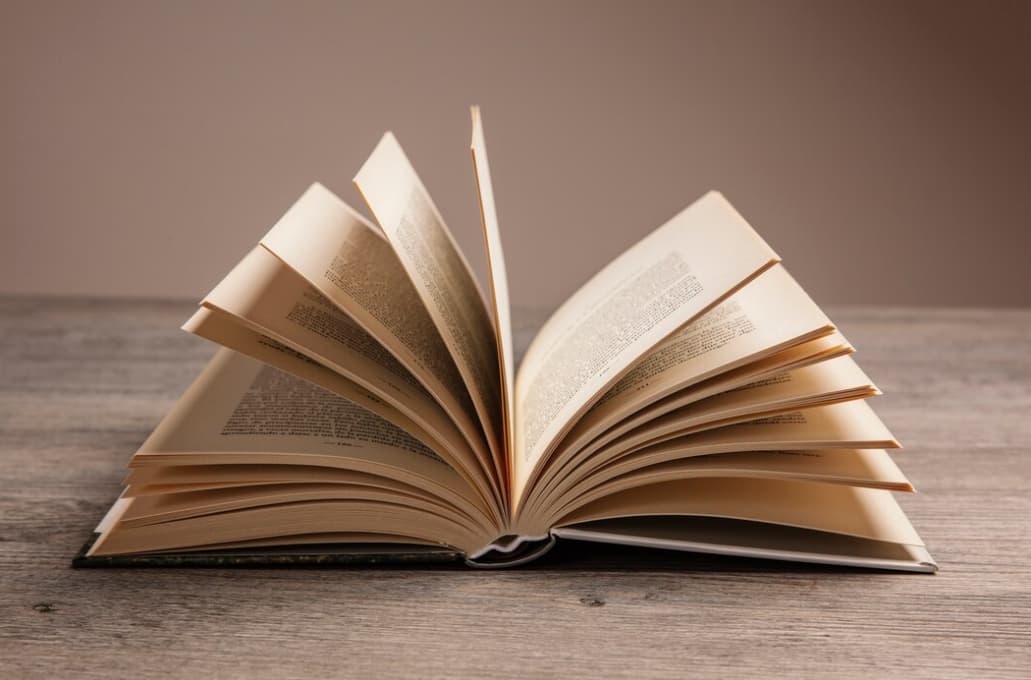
(82, 382)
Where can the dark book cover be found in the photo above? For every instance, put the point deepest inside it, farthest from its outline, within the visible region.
(328, 555)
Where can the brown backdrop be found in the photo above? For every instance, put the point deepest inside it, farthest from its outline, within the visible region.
(882, 148)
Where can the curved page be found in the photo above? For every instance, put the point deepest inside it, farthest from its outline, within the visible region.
(249, 412)
(840, 509)
(498, 283)
(219, 327)
(268, 297)
(830, 382)
(346, 258)
(799, 356)
(675, 274)
(440, 274)
(872, 468)
(766, 316)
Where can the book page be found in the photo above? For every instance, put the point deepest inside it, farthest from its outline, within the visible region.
(427, 251)
(873, 468)
(265, 295)
(347, 259)
(145, 481)
(166, 480)
(757, 540)
(239, 410)
(169, 507)
(830, 382)
(799, 356)
(279, 524)
(867, 513)
(672, 276)
(768, 315)
(498, 282)
(223, 329)
(847, 425)
(850, 425)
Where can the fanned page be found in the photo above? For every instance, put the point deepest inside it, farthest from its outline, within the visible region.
(835, 508)
(223, 329)
(441, 276)
(226, 331)
(240, 414)
(797, 393)
(747, 337)
(347, 259)
(265, 296)
(827, 382)
(672, 276)
(769, 314)
(498, 282)
(774, 519)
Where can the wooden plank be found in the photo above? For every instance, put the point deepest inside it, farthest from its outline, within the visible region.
(82, 382)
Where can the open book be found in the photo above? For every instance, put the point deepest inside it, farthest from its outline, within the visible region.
(366, 401)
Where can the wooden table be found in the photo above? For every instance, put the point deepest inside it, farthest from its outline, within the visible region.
(82, 382)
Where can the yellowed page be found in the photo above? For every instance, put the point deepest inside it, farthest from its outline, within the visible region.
(284, 522)
(141, 480)
(669, 278)
(498, 283)
(847, 425)
(441, 276)
(347, 259)
(151, 480)
(756, 540)
(239, 408)
(219, 327)
(799, 356)
(829, 382)
(841, 425)
(267, 296)
(766, 316)
(867, 513)
(872, 468)
(169, 507)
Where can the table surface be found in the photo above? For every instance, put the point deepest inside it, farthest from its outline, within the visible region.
(82, 382)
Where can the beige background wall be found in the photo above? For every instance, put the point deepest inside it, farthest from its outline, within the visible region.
(882, 148)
